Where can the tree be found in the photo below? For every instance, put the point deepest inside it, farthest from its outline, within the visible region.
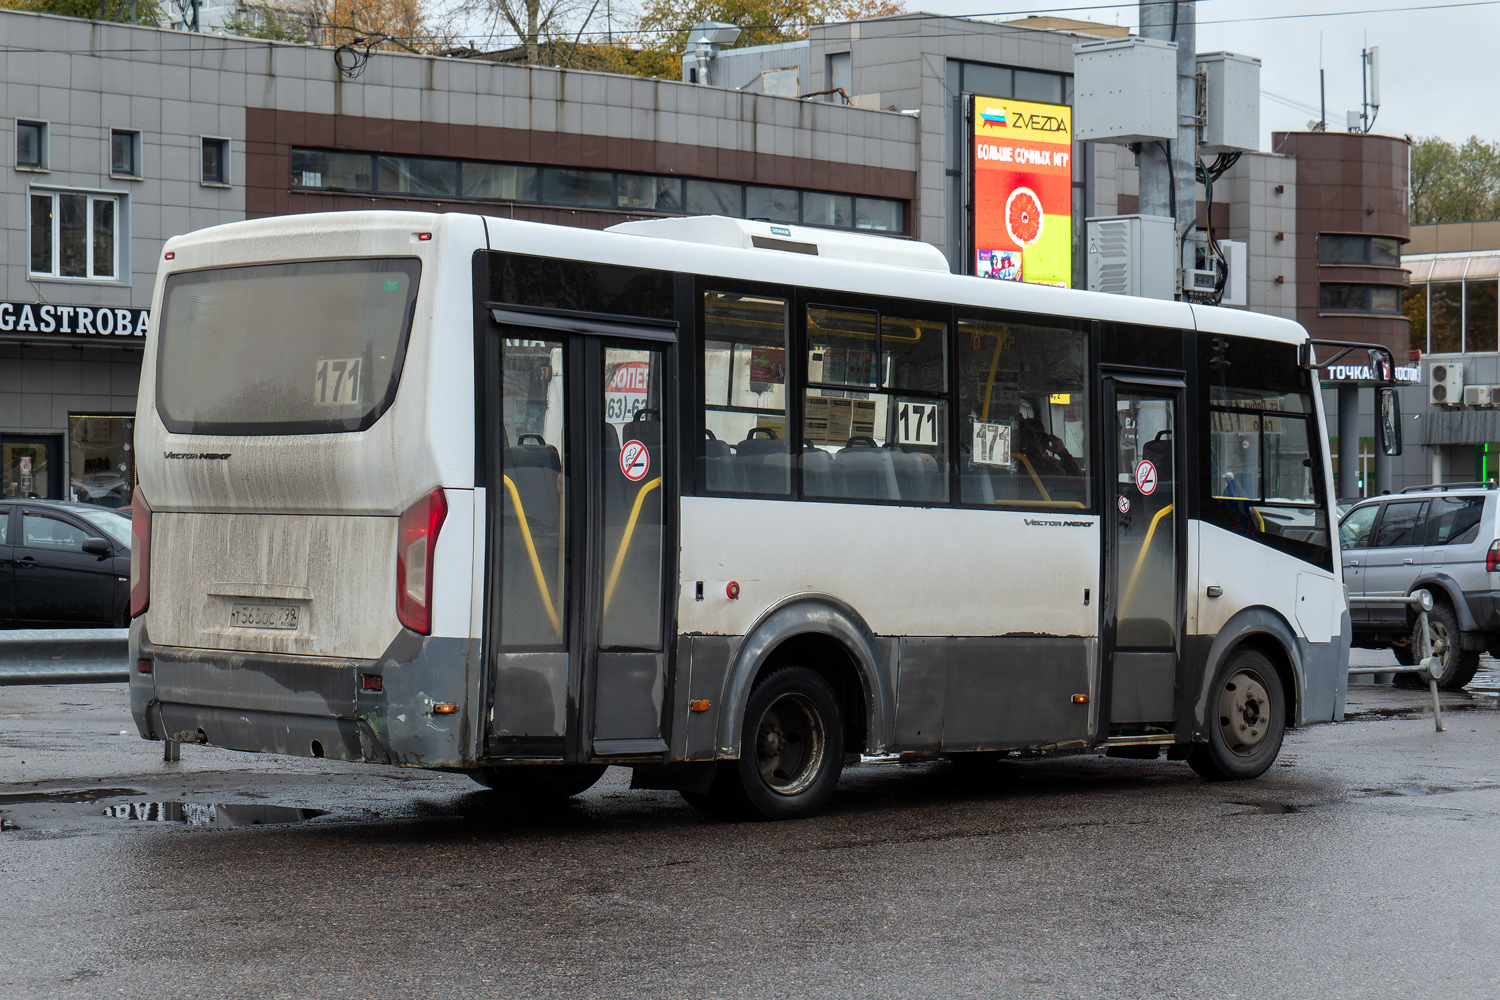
(141, 12)
(534, 22)
(663, 27)
(1454, 184)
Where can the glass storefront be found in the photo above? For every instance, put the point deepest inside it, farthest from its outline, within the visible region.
(101, 459)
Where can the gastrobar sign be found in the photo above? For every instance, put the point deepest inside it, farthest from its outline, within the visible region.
(47, 319)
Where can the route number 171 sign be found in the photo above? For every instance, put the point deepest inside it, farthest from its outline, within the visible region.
(917, 423)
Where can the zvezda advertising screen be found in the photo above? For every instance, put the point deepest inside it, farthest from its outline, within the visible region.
(1023, 191)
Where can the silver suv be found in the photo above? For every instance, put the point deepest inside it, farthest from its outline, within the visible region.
(1442, 538)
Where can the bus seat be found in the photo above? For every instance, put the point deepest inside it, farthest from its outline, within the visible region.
(917, 475)
(867, 472)
(719, 471)
(756, 474)
(820, 476)
(531, 451)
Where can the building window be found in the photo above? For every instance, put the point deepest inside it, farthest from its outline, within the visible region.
(215, 161)
(1445, 323)
(124, 153)
(839, 73)
(31, 145)
(75, 234)
(1376, 251)
(449, 179)
(1480, 321)
(1414, 305)
(1359, 298)
(103, 460)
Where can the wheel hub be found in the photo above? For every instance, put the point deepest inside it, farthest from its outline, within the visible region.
(1243, 718)
(790, 745)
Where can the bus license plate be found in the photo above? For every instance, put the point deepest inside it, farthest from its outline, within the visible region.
(263, 616)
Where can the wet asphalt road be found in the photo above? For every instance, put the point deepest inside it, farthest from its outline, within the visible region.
(1365, 864)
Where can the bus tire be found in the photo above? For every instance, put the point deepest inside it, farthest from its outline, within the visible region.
(1246, 721)
(791, 751)
(1459, 664)
(539, 782)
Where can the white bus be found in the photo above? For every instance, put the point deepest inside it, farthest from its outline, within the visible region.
(722, 501)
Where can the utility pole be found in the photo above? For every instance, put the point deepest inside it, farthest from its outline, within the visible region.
(1168, 184)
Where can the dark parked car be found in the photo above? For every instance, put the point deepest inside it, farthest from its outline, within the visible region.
(63, 565)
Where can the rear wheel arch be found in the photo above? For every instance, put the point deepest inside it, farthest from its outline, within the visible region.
(828, 637)
(1444, 590)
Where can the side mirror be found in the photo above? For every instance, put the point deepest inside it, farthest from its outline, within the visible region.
(1382, 369)
(1389, 410)
(96, 547)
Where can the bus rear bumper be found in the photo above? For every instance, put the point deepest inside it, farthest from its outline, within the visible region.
(377, 711)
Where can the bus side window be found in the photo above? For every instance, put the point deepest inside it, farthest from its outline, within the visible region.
(745, 446)
(875, 417)
(1023, 413)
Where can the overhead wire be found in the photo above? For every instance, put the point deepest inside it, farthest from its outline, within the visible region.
(798, 25)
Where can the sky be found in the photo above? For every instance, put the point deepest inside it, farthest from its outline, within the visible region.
(1438, 66)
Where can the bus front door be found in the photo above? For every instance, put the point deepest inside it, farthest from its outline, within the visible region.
(580, 512)
(1142, 562)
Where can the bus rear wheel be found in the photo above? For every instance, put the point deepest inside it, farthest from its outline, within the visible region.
(539, 782)
(1247, 720)
(791, 751)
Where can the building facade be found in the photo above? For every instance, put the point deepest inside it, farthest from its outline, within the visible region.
(113, 138)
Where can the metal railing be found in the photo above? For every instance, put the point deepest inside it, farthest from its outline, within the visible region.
(64, 655)
(1429, 659)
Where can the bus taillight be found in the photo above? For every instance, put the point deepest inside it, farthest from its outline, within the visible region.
(416, 540)
(140, 555)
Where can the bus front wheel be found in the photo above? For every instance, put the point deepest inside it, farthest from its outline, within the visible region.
(1247, 720)
(791, 751)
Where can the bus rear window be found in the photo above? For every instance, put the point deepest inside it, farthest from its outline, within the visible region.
(307, 348)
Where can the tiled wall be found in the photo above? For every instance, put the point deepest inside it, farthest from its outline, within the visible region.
(40, 386)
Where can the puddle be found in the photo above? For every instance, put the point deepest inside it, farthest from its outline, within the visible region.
(211, 814)
(1267, 808)
(67, 795)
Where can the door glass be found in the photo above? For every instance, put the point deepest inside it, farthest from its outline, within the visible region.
(23, 469)
(45, 532)
(1398, 525)
(1354, 533)
(632, 462)
(1145, 515)
(533, 526)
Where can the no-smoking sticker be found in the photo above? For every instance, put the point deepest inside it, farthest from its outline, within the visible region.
(1145, 478)
(1123, 503)
(635, 461)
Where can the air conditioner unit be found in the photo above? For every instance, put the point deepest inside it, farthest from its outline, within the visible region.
(1479, 395)
(1445, 384)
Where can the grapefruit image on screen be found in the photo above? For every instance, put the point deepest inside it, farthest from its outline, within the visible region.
(1023, 216)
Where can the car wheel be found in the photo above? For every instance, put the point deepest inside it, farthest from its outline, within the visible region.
(791, 751)
(1247, 720)
(1459, 664)
(539, 782)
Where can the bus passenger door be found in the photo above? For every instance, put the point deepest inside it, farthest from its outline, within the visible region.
(1143, 556)
(577, 625)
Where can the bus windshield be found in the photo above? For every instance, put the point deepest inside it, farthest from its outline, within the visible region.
(308, 347)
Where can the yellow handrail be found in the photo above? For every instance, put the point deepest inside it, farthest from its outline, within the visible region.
(1140, 560)
(1253, 509)
(635, 513)
(536, 563)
